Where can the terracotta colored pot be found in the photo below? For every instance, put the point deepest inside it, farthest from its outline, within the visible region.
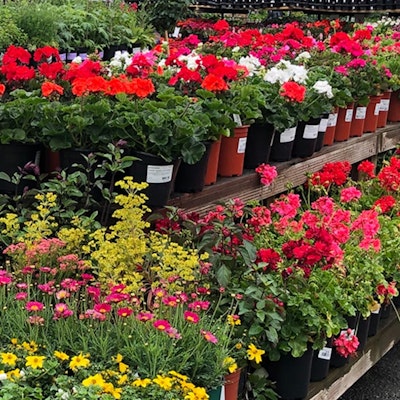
(212, 166)
(371, 118)
(384, 109)
(231, 155)
(394, 107)
(331, 128)
(343, 125)
(357, 123)
(232, 385)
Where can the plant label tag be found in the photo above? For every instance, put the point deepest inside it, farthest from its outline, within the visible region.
(288, 135)
(176, 32)
(384, 105)
(323, 125)
(159, 173)
(332, 120)
(377, 108)
(349, 115)
(325, 353)
(237, 119)
(310, 131)
(242, 145)
(376, 311)
(361, 112)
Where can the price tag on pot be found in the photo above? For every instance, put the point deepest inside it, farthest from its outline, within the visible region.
(325, 353)
(242, 145)
(384, 105)
(288, 135)
(377, 108)
(323, 125)
(361, 112)
(159, 173)
(332, 120)
(349, 115)
(310, 131)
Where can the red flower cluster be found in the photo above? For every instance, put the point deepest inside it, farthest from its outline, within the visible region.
(293, 91)
(347, 343)
(331, 173)
(389, 176)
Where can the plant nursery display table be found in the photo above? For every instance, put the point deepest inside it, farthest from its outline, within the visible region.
(341, 379)
(247, 187)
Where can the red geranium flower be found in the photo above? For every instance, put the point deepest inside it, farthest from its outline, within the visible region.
(293, 91)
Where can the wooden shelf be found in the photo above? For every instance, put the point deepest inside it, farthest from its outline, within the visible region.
(247, 187)
(341, 379)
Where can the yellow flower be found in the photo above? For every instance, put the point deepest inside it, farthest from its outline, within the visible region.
(233, 320)
(14, 374)
(178, 375)
(14, 341)
(30, 347)
(61, 356)
(141, 382)
(79, 361)
(123, 367)
(254, 354)
(94, 380)
(9, 359)
(198, 393)
(230, 363)
(122, 380)
(118, 358)
(164, 382)
(108, 387)
(35, 361)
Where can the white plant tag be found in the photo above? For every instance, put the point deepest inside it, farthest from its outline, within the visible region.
(242, 145)
(332, 120)
(349, 115)
(361, 112)
(176, 32)
(237, 119)
(384, 105)
(159, 173)
(288, 135)
(310, 131)
(376, 311)
(377, 108)
(323, 125)
(325, 353)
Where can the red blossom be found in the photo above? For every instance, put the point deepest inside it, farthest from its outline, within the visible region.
(293, 91)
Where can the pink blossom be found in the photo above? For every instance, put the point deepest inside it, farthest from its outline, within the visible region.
(145, 316)
(21, 296)
(209, 336)
(349, 194)
(267, 173)
(161, 324)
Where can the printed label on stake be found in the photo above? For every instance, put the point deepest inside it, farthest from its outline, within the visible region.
(332, 120)
(349, 115)
(377, 108)
(237, 119)
(384, 105)
(376, 311)
(310, 131)
(323, 125)
(361, 112)
(159, 173)
(325, 353)
(288, 135)
(242, 145)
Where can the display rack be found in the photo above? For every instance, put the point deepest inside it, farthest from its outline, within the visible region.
(247, 187)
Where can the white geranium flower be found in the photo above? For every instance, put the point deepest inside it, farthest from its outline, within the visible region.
(251, 63)
(3, 377)
(191, 60)
(323, 87)
(77, 60)
(305, 55)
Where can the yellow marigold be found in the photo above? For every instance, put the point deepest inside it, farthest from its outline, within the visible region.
(164, 382)
(9, 359)
(254, 354)
(230, 363)
(123, 367)
(108, 387)
(94, 380)
(122, 380)
(198, 393)
(141, 382)
(30, 347)
(178, 375)
(79, 361)
(35, 361)
(61, 355)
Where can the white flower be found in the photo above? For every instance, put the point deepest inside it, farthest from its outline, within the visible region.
(323, 87)
(77, 60)
(305, 55)
(285, 71)
(251, 63)
(235, 49)
(3, 377)
(191, 60)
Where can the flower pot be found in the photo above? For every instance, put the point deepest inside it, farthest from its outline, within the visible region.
(374, 322)
(357, 123)
(69, 157)
(337, 361)
(13, 158)
(385, 311)
(212, 165)
(323, 125)
(50, 161)
(190, 177)
(321, 361)
(345, 116)
(215, 394)
(329, 137)
(158, 173)
(282, 145)
(362, 329)
(371, 118)
(292, 374)
(231, 385)
(394, 107)
(231, 155)
(384, 109)
(306, 138)
(258, 145)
